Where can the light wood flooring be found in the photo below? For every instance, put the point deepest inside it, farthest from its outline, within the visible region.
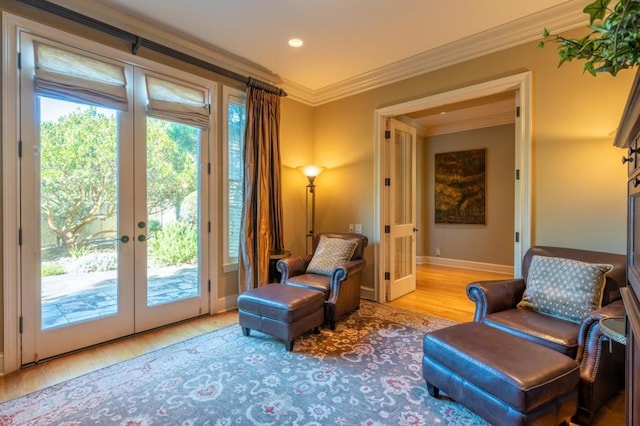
(440, 292)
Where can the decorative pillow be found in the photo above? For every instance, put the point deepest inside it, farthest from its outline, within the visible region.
(331, 253)
(564, 288)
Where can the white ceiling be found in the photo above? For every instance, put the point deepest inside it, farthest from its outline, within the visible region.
(342, 38)
(349, 45)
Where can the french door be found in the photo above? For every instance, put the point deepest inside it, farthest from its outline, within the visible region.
(401, 167)
(113, 202)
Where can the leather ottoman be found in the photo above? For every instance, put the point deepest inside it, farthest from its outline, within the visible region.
(282, 311)
(504, 379)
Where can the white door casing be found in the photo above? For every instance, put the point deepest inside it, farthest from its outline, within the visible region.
(521, 84)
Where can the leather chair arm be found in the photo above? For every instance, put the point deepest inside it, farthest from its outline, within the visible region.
(494, 296)
(342, 273)
(590, 333)
(292, 266)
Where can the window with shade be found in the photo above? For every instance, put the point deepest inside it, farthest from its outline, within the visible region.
(234, 123)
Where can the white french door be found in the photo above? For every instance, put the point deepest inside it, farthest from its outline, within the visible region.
(113, 206)
(401, 244)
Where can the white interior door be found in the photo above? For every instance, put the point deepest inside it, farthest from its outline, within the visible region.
(401, 209)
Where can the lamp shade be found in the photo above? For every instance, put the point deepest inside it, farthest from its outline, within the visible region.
(311, 171)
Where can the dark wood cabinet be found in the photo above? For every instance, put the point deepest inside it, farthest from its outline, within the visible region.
(627, 137)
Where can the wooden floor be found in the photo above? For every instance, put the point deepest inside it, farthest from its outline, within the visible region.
(440, 292)
(76, 364)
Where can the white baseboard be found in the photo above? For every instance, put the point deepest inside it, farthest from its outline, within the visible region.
(227, 303)
(367, 293)
(465, 264)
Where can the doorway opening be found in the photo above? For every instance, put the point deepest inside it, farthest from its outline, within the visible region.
(520, 84)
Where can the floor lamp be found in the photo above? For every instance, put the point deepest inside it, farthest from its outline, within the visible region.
(311, 172)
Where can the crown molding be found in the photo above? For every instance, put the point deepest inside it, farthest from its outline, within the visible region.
(563, 17)
(560, 18)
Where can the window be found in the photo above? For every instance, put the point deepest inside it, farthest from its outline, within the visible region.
(234, 123)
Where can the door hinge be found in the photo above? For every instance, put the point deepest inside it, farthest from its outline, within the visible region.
(20, 236)
(517, 111)
(19, 149)
(387, 134)
(387, 229)
(517, 237)
(387, 181)
(208, 168)
(21, 324)
(209, 286)
(517, 174)
(19, 60)
(387, 276)
(209, 226)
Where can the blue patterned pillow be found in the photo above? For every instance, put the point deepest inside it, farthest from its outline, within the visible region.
(331, 253)
(564, 288)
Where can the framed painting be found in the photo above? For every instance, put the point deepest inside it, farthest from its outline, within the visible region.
(460, 187)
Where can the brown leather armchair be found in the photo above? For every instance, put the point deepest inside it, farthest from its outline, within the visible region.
(601, 367)
(341, 288)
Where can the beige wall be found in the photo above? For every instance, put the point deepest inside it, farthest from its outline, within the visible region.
(573, 117)
(488, 243)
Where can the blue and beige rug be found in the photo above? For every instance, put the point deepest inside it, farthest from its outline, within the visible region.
(367, 372)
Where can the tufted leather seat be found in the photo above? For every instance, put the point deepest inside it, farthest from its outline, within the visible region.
(601, 366)
(341, 288)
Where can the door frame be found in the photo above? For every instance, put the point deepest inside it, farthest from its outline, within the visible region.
(521, 84)
(12, 25)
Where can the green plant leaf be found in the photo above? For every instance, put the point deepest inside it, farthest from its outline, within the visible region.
(596, 10)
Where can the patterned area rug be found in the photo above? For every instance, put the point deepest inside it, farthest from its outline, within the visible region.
(367, 372)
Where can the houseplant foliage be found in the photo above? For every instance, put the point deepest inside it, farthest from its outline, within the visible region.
(612, 45)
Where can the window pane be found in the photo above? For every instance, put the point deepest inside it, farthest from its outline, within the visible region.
(237, 118)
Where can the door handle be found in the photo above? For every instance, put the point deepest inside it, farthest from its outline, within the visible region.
(142, 237)
(124, 239)
(415, 229)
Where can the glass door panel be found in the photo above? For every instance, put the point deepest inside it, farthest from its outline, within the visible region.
(79, 212)
(173, 211)
(403, 267)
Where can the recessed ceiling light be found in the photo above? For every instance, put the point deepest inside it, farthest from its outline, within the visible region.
(295, 42)
(443, 112)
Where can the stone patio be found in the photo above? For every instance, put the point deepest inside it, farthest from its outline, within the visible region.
(71, 298)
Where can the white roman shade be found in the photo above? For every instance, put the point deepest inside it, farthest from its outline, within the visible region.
(175, 102)
(68, 75)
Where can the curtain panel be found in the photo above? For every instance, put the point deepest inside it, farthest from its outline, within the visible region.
(261, 228)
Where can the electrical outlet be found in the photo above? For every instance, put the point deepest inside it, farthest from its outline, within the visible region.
(358, 228)
(351, 227)
(437, 252)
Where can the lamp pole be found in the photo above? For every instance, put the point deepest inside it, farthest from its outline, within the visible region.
(311, 192)
(311, 172)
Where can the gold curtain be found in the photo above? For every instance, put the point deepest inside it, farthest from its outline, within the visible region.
(261, 228)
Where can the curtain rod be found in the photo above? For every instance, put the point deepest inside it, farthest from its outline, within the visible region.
(137, 42)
